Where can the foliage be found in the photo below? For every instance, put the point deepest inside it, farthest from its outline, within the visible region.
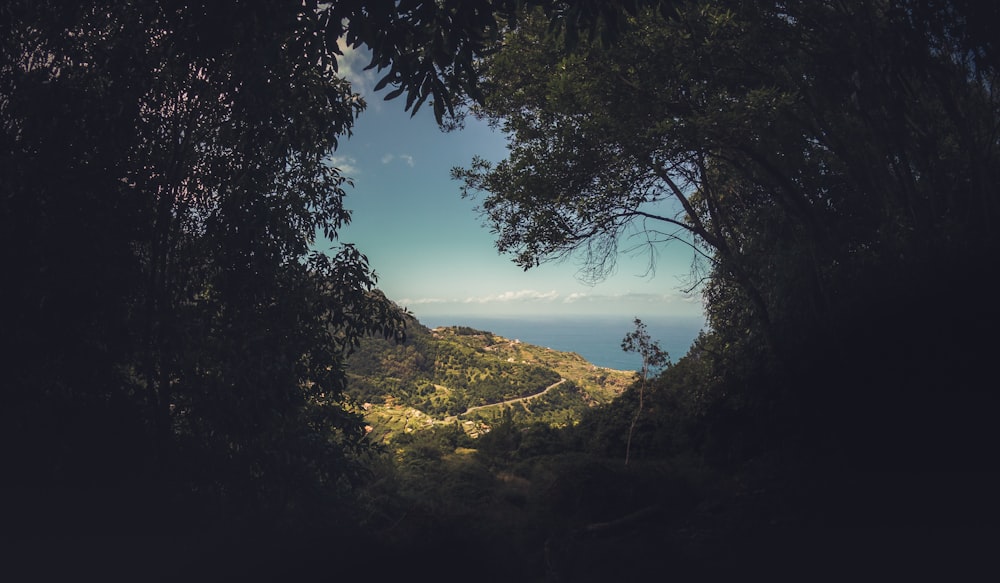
(653, 357)
(432, 49)
(176, 354)
(785, 142)
(455, 372)
(166, 169)
(832, 167)
(167, 166)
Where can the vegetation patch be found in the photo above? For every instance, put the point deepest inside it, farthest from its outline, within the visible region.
(439, 376)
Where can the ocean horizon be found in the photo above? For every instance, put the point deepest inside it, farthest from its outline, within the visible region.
(598, 339)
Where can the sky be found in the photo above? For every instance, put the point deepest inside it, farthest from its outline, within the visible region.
(429, 247)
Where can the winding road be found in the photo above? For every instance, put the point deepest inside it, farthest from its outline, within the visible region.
(452, 418)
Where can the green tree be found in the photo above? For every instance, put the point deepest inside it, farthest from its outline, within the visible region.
(166, 167)
(803, 150)
(834, 168)
(653, 358)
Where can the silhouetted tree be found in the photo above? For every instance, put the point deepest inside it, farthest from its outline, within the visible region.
(801, 149)
(166, 167)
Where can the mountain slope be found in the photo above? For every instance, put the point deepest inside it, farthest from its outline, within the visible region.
(461, 374)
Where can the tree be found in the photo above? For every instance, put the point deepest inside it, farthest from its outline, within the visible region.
(801, 149)
(653, 357)
(166, 166)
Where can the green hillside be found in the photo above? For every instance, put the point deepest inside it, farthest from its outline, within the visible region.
(459, 374)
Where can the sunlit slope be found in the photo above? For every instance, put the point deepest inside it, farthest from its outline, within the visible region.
(467, 376)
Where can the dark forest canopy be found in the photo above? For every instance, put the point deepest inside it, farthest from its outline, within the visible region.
(166, 166)
(836, 166)
(811, 147)
(173, 347)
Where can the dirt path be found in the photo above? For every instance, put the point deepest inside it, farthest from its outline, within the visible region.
(452, 418)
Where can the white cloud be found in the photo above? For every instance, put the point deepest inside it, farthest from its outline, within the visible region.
(507, 297)
(387, 158)
(524, 295)
(351, 66)
(530, 295)
(423, 301)
(631, 298)
(348, 166)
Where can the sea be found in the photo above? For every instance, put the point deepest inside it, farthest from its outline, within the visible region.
(598, 339)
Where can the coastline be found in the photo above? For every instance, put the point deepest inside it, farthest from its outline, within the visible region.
(596, 339)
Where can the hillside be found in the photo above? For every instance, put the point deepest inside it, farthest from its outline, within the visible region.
(459, 374)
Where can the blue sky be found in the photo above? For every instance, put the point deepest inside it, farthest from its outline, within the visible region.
(428, 245)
